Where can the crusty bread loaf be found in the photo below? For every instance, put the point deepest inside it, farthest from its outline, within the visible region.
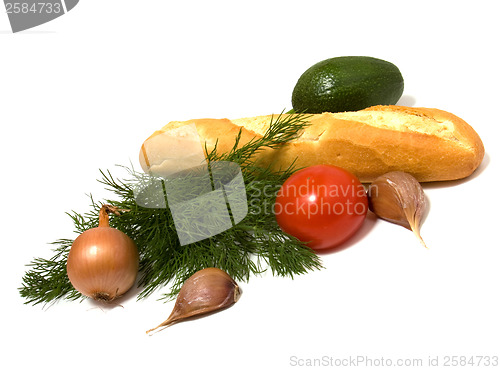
(430, 144)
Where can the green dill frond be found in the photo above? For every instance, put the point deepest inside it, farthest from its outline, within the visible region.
(248, 248)
(47, 280)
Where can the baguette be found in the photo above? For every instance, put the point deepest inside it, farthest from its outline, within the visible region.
(428, 143)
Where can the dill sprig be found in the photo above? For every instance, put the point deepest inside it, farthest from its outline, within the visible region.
(248, 248)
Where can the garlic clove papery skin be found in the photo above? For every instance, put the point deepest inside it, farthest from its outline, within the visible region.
(206, 291)
(399, 198)
(387, 204)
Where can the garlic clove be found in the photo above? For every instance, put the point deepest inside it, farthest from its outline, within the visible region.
(206, 291)
(399, 198)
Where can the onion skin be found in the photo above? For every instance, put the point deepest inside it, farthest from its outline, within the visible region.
(103, 262)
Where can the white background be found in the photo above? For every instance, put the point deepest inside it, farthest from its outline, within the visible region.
(81, 94)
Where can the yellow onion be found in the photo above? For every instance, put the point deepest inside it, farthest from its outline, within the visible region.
(103, 262)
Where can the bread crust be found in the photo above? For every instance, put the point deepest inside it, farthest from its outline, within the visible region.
(428, 143)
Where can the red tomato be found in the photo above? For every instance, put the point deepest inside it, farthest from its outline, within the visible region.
(322, 205)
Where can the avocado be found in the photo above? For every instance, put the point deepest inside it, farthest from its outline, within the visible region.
(347, 83)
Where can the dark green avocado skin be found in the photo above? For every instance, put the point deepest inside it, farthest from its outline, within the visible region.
(347, 83)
